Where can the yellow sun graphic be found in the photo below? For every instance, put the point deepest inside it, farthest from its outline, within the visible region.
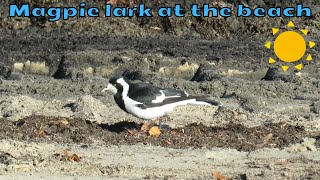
(290, 47)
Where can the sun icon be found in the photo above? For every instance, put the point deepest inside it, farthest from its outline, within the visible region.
(290, 47)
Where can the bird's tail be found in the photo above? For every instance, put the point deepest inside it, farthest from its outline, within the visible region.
(207, 101)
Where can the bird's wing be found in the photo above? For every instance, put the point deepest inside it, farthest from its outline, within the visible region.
(174, 93)
(148, 94)
(143, 93)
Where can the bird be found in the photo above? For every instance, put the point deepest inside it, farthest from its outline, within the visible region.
(149, 102)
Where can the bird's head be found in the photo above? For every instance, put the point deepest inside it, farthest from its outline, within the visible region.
(117, 84)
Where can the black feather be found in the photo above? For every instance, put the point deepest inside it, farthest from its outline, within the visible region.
(146, 93)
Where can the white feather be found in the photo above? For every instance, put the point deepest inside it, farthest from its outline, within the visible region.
(160, 98)
(186, 93)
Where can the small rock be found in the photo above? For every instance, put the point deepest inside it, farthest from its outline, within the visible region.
(5, 158)
(214, 59)
(274, 74)
(205, 73)
(84, 146)
(63, 71)
(5, 71)
(14, 76)
(74, 107)
(315, 107)
(117, 60)
(307, 144)
(78, 76)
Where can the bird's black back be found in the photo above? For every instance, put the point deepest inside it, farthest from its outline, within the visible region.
(146, 93)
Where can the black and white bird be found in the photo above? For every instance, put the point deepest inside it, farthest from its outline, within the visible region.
(150, 102)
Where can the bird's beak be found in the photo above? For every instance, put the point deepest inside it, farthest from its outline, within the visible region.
(110, 88)
(105, 89)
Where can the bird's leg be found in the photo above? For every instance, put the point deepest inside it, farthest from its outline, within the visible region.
(146, 126)
(158, 121)
(159, 124)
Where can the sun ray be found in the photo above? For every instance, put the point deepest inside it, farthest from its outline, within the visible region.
(309, 58)
(285, 68)
(304, 31)
(312, 44)
(268, 45)
(271, 60)
(290, 24)
(298, 67)
(275, 31)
